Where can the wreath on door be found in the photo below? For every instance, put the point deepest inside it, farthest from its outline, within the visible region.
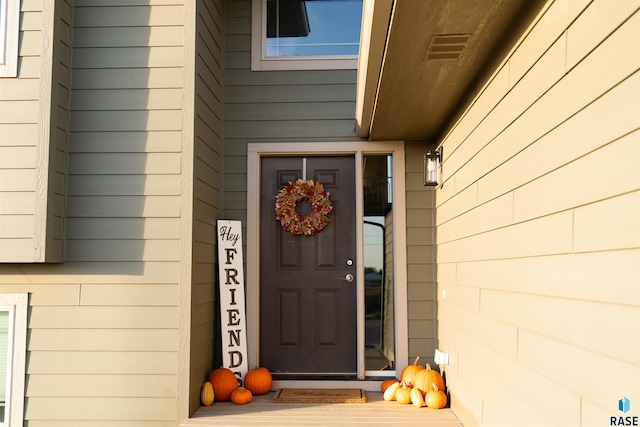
(295, 192)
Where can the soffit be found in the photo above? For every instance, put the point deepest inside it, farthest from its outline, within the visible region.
(415, 95)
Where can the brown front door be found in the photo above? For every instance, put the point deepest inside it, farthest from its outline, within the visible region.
(308, 311)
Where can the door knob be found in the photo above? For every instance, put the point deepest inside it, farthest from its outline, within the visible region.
(347, 278)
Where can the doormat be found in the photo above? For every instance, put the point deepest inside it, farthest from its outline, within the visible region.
(319, 395)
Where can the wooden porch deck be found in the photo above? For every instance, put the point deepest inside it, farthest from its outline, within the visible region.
(262, 411)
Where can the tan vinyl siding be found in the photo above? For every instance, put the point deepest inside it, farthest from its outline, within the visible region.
(537, 230)
(33, 137)
(105, 325)
(208, 171)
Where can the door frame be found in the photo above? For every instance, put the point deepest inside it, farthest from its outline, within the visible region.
(255, 151)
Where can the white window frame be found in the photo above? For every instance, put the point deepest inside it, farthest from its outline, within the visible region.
(16, 305)
(261, 62)
(9, 33)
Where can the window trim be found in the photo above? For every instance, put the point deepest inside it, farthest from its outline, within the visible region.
(260, 61)
(9, 34)
(17, 305)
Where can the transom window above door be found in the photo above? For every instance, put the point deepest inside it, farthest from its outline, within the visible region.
(305, 34)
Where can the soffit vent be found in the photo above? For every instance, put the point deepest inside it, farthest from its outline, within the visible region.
(447, 46)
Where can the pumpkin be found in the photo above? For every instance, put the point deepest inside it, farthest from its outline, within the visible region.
(403, 394)
(435, 398)
(409, 373)
(224, 382)
(241, 396)
(386, 383)
(258, 381)
(390, 393)
(207, 395)
(426, 377)
(416, 398)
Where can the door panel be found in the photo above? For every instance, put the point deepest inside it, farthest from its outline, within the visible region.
(308, 314)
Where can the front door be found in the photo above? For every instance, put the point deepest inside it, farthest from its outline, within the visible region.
(308, 305)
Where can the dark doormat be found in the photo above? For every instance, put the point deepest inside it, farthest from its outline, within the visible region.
(319, 395)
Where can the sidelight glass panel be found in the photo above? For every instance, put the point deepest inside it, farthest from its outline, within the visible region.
(378, 264)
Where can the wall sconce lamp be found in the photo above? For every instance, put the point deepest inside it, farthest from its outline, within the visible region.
(432, 167)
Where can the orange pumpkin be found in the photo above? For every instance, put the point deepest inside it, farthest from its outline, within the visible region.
(384, 385)
(409, 373)
(224, 382)
(241, 396)
(258, 381)
(435, 398)
(426, 377)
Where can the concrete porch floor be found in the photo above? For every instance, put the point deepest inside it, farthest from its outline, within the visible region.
(262, 411)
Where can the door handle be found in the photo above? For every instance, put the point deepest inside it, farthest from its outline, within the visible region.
(347, 278)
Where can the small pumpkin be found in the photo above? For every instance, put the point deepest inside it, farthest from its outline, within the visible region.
(224, 382)
(416, 398)
(386, 383)
(409, 373)
(258, 381)
(207, 396)
(241, 396)
(390, 393)
(403, 394)
(426, 377)
(435, 398)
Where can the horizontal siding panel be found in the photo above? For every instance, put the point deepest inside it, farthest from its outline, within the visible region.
(100, 423)
(106, 121)
(18, 111)
(18, 134)
(125, 185)
(489, 216)
(18, 158)
(598, 21)
(129, 294)
(96, 317)
(125, 142)
(129, 16)
(17, 250)
(290, 111)
(290, 93)
(589, 325)
(17, 179)
(102, 362)
(128, 36)
(19, 89)
(130, 99)
(610, 224)
(45, 293)
(290, 129)
(16, 226)
(97, 272)
(124, 163)
(566, 364)
(578, 276)
(123, 206)
(103, 339)
(123, 250)
(90, 408)
(305, 78)
(128, 78)
(123, 57)
(29, 44)
(131, 386)
(601, 174)
(462, 202)
(123, 228)
(17, 203)
(584, 127)
(545, 236)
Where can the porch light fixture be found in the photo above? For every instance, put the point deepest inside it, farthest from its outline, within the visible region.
(432, 167)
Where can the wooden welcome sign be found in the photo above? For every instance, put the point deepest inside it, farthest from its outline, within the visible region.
(232, 306)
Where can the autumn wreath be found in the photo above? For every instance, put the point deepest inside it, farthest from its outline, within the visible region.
(298, 191)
